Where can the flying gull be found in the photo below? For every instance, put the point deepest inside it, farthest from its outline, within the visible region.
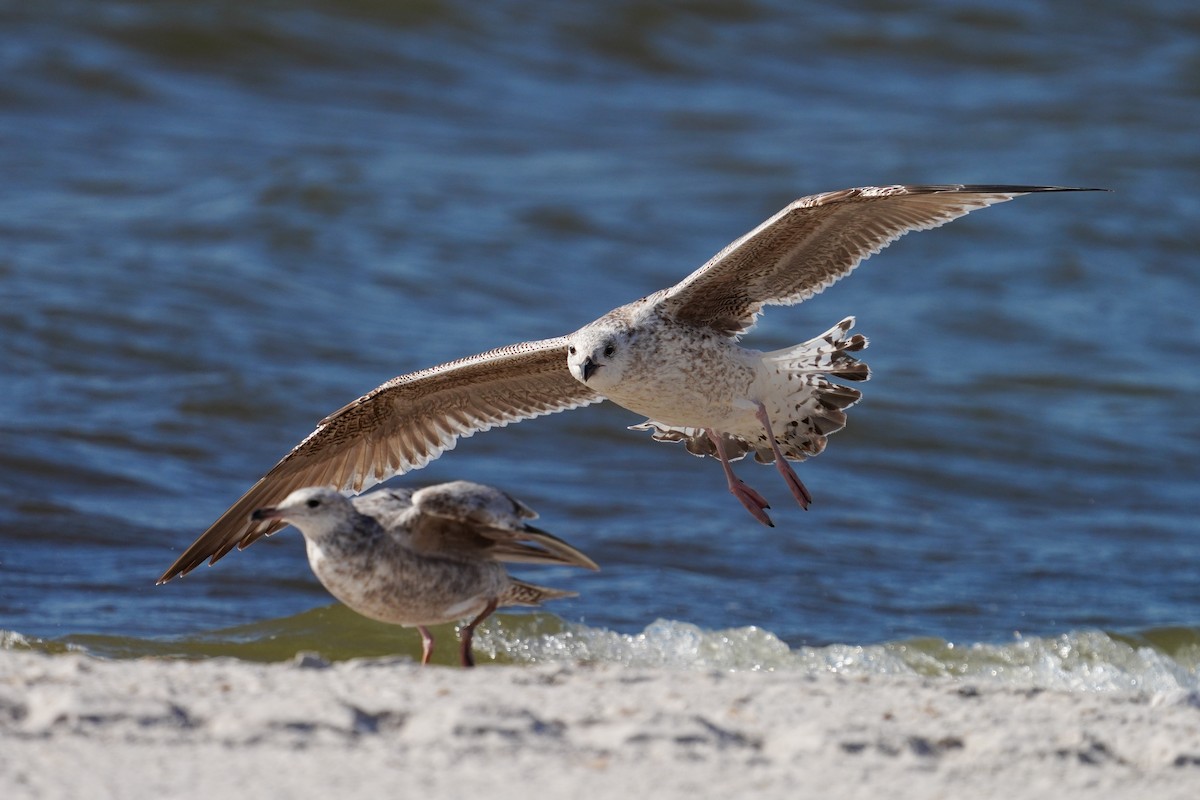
(672, 356)
(425, 557)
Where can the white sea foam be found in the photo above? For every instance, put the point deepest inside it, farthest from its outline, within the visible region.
(1088, 661)
(1159, 662)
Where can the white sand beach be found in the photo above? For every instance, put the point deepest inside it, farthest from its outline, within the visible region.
(77, 726)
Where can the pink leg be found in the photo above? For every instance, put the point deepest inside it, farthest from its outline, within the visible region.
(468, 633)
(798, 489)
(752, 500)
(426, 644)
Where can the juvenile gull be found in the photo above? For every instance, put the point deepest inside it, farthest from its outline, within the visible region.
(672, 356)
(425, 557)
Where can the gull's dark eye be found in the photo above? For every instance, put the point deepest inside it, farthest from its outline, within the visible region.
(609, 349)
(571, 349)
(313, 503)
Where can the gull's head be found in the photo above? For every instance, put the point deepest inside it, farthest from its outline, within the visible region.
(598, 354)
(317, 511)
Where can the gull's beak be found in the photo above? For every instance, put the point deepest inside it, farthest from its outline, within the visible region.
(588, 368)
(270, 512)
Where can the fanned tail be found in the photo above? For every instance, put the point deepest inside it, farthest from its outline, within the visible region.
(825, 355)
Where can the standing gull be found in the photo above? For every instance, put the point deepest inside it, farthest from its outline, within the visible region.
(673, 356)
(425, 557)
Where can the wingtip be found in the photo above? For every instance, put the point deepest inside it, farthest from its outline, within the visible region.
(578, 558)
(1002, 188)
(572, 556)
(174, 572)
(1068, 189)
(182, 566)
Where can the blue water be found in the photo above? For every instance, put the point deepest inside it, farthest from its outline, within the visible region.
(221, 221)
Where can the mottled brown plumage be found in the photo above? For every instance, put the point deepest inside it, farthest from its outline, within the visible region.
(419, 558)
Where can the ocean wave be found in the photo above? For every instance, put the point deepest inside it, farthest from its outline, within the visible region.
(1161, 660)
(1087, 660)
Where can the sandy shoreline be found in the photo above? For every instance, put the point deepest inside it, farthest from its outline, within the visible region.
(75, 726)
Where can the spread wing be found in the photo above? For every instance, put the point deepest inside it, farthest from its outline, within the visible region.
(812, 243)
(401, 426)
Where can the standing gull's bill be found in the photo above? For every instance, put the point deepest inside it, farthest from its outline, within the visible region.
(672, 356)
(425, 557)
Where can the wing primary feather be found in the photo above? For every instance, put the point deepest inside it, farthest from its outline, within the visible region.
(814, 242)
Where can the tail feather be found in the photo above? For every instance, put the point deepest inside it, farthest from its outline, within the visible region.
(521, 593)
(825, 354)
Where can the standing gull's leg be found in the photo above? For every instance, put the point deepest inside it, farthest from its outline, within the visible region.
(426, 644)
(468, 633)
(799, 490)
(752, 500)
